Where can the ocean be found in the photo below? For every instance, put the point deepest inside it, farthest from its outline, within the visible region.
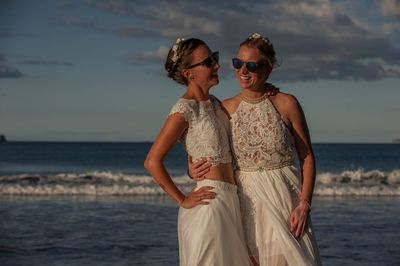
(86, 203)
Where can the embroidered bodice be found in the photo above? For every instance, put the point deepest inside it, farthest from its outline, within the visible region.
(207, 135)
(260, 139)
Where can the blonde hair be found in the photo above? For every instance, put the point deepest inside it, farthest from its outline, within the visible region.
(264, 45)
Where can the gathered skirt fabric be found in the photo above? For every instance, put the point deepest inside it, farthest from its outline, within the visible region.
(267, 198)
(213, 234)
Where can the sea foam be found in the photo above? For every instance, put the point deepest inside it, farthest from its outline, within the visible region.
(346, 183)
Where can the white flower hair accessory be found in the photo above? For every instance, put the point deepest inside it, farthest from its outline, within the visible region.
(259, 36)
(175, 47)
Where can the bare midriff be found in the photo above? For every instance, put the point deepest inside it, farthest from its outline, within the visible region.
(221, 172)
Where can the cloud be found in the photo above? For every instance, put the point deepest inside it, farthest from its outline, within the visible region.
(117, 6)
(90, 25)
(316, 39)
(7, 71)
(134, 32)
(151, 56)
(68, 5)
(124, 31)
(6, 34)
(390, 7)
(391, 28)
(50, 63)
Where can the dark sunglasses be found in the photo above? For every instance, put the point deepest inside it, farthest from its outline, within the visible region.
(208, 62)
(251, 66)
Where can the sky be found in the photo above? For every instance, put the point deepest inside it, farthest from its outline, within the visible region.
(92, 70)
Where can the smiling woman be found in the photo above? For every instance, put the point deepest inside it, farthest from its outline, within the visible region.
(209, 225)
(266, 133)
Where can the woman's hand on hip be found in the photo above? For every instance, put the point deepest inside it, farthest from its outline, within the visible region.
(200, 196)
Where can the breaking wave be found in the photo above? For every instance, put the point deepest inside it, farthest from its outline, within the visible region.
(346, 183)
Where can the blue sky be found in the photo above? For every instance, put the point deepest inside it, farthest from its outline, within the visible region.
(92, 70)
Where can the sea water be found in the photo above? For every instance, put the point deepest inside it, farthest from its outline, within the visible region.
(94, 204)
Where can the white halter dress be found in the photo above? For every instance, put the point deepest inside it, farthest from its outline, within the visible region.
(269, 185)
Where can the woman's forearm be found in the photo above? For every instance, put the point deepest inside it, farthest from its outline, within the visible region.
(308, 177)
(161, 176)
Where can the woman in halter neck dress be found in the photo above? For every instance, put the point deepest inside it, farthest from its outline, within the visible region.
(267, 133)
(210, 231)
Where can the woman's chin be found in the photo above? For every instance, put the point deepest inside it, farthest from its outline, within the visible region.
(246, 86)
(215, 80)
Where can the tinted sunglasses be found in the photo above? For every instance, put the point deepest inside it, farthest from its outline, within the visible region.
(250, 66)
(208, 62)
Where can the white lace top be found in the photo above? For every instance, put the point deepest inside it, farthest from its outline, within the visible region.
(260, 138)
(207, 135)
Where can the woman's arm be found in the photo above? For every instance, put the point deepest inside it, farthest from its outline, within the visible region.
(295, 114)
(173, 128)
(304, 151)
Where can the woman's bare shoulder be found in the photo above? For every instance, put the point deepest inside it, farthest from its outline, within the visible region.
(285, 100)
(231, 104)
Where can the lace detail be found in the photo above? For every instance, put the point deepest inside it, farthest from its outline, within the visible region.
(248, 211)
(207, 135)
(260, 139)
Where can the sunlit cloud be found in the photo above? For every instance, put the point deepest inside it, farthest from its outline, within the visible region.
(390, 7)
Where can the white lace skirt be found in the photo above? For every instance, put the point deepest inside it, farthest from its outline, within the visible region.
(267, 198)
(213, 234)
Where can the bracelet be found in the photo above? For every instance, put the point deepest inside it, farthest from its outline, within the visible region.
(307, 203)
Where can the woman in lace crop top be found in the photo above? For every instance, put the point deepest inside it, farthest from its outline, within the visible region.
(209, 222)
(207, 134)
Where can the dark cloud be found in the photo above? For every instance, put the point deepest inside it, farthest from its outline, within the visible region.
(124, 31)
(315, 39)
(130, 7)
(68, 4)
(90, 25)
(6, 34)
(155, 57)
(348, 70)
(50, 63)
(134, 32)
(9, 35)
(7, 71)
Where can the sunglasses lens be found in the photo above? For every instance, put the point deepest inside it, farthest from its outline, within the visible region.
(215, 57)
(237, 63)
(251, 66)
(208, 62)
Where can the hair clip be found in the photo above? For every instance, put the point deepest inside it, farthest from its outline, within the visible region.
(259, 36)
(175, 47)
